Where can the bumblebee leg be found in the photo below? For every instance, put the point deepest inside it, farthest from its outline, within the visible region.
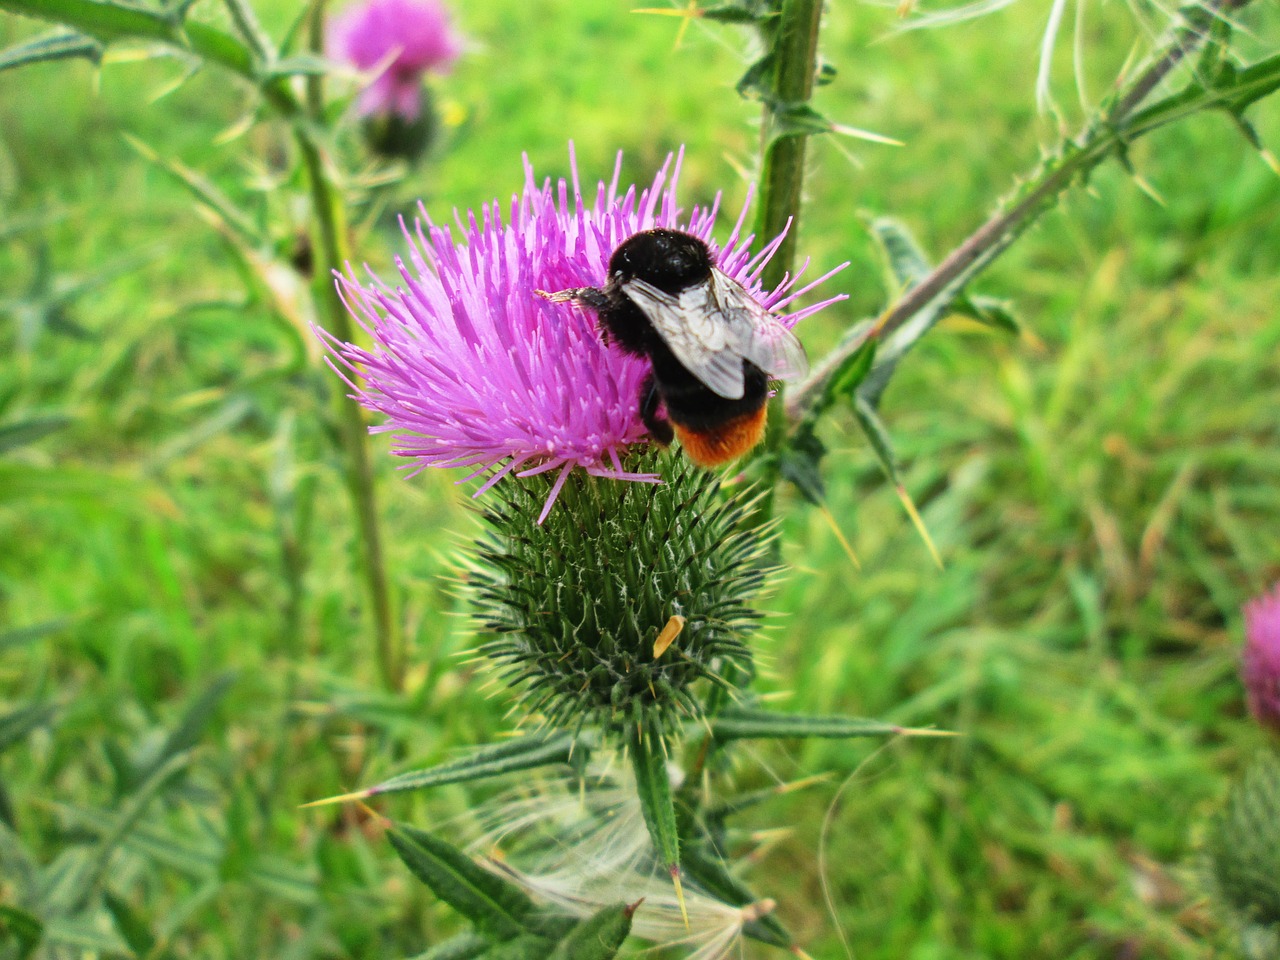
(658, 428)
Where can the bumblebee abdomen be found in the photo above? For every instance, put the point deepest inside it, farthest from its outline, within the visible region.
(726, 441)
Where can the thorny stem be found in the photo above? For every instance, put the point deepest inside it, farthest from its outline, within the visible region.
(794, 44)
(795, 47)
(981, 248)
(330, 246)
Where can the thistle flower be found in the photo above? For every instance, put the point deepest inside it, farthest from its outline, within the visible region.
(1260, 663)
(401, 39)
(473, 369)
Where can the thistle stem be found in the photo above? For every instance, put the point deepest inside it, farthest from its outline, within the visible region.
(794, 42)
(353, 435)
(1103, 136)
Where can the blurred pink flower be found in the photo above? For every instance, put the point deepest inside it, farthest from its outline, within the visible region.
(402, 39)
(473, 369)
(1260, 665)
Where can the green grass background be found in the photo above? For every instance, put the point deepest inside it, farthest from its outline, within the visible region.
(1104, 492)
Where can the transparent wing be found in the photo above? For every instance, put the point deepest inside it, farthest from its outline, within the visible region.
(764, 340)
(692, 325)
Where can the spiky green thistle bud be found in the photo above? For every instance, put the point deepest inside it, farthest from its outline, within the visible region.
(578, 603)
(1244, 856)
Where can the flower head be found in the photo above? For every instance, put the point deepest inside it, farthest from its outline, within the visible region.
(1260, 665)
(472, 368)
(402, 39)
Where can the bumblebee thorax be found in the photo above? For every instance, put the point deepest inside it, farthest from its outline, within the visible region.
(668, 259)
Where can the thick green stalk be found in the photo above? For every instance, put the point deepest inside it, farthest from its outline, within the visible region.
(330, 246)
(795, 51)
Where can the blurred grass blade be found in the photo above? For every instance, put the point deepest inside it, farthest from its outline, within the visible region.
(741, 723)
(130, 925)
(18, 723)
(202, 189)
(496, 906)
(58, 45)
(21, 929)
(526, 753)
(648, 753)
(14, 435)
(186, 734)
(19, 636)
(598, 937)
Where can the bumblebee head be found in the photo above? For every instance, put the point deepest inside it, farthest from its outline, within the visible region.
(669, 259)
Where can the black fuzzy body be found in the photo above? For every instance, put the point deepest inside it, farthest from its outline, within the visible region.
(673, 262)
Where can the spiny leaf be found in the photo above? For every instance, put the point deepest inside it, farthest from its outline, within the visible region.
(742, 723)
(58, 45)
(904, 259)
(465, 946)
(874, 429)
(647, 751)
(599, 937)
(497, 907)
(524, 753)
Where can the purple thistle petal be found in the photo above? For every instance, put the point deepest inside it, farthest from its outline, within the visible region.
(1260, 663)
(472, 368)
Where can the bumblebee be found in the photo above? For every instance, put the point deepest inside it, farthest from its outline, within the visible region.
(712, 348)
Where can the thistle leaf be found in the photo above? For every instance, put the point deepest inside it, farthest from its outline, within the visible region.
(743, 723)
(706, 868)
(497, 908)
(525, 753)
(599, 937)
(647, 750)
(465, 946)
(58, 45)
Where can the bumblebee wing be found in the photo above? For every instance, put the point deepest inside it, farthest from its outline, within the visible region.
(760, 336)
(691, 323)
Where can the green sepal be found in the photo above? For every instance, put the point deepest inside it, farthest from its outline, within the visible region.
(496, 906)
(465, 946)
(598, 937)
(57, 45)
(744, 723)
(525, 753)
(647, 750)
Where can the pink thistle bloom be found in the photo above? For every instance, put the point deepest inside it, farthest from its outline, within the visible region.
(1260, 664)
(402, 40)
(472, 368)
